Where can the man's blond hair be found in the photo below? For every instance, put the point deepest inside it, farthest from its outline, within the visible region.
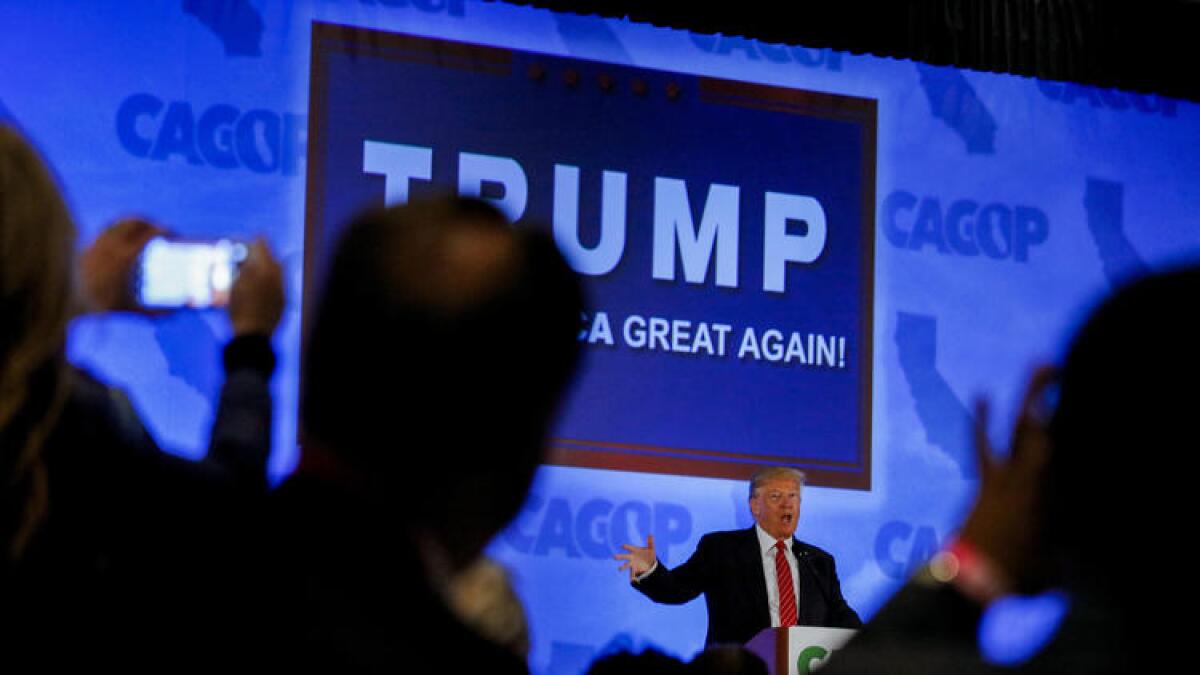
(773, 473)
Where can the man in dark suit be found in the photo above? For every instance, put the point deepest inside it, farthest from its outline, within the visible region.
(755, 578)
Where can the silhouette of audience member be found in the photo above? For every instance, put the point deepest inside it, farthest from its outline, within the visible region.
(111, 549)
(647, 662)
(1055, 511)
(437, 355)
(727, 660)
(715, 660)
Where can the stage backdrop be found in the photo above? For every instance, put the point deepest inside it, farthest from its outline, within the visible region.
(794, 255)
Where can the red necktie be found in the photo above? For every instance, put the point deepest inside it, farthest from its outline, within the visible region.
(787, 594)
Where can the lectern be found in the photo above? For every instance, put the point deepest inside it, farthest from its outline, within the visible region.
(797, 650)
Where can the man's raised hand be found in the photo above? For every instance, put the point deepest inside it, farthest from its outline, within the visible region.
(639, 559)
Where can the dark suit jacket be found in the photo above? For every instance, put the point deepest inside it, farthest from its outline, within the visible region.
(727, 568)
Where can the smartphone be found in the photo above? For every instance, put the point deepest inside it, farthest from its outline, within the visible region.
(175, 273)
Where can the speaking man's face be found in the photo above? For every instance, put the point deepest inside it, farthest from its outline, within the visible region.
(776, 507)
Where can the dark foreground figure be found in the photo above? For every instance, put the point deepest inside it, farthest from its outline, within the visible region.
(1089, 499)
(438, 353)
(113, 554)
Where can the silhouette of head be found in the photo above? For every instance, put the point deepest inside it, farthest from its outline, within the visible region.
(437, 356)
(1126, 399)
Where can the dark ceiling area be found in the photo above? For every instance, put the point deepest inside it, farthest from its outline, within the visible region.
(1137, 45)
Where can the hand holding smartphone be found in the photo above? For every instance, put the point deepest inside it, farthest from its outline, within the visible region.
(257, 298)
(136, 266)
(177, 273)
